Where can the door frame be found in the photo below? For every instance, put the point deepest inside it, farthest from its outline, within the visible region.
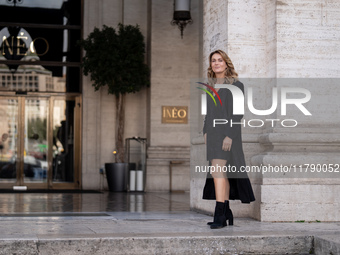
(51, 97)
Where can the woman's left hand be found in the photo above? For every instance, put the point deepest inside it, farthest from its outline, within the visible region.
(226, 145)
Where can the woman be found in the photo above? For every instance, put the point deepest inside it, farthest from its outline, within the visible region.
(224, 144)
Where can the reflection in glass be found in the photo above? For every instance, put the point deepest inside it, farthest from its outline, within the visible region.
(63, 137)
(44, 30)
(8, 142)
(42, 12)
(35, 142)
(53, 4)
(26, 77)
(31, 78)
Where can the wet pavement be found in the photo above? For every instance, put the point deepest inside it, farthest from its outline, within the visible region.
(92, 202)
(145, 223)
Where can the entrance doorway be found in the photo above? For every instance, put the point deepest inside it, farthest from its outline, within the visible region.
(40, 141)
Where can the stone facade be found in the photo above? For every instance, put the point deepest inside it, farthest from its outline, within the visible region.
(98, 139)
(173, 62)
(268, 42)
(281, 39)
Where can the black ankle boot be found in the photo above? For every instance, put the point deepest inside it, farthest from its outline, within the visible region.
(228, 214)
(211, 222)
(219, 216)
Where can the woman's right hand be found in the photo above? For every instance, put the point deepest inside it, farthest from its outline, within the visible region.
(205, 138)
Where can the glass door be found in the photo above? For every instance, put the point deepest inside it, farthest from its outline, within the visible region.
(9, 124)
(66, 142)
(40, 142)
(34, 139)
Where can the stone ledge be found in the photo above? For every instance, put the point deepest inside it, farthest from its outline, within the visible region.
(327, 244)
(305, 138)
(291, 159)
(166, 162)
(191, 244)
(163, 245)
(168, 148)
(168, 152)
(246, 138)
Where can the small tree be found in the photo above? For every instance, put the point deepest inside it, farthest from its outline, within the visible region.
(116, 60)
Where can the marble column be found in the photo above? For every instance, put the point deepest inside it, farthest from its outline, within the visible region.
(278, 44)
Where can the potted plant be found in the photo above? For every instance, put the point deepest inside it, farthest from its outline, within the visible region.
(115, 59)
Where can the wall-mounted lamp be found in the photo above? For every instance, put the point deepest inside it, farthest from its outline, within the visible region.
(182, 15)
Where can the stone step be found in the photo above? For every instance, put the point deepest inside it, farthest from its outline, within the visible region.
(187, 244)
(327, 244)
(171, 231)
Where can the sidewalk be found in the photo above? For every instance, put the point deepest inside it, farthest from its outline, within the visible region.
(152, 223)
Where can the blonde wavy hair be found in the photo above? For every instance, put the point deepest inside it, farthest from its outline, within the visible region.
(230, 75)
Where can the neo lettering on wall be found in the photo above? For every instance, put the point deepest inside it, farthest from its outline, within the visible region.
(175, 114)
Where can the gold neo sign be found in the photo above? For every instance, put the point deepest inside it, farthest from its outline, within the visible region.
(175, 114)
(20, 44)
